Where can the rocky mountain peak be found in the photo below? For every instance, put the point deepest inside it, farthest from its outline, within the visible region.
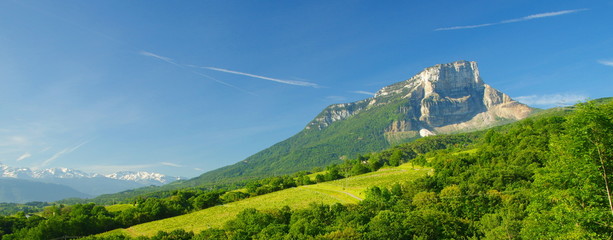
(443, 98)
(450, 79)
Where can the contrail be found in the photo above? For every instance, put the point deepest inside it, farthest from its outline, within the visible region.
(171, 61)
(153, 55)
(224, 83)
(291, 82)
(364, 92)
(62, 152)
(521, 19)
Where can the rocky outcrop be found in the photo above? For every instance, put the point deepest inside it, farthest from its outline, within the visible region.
(443, 98)
(337, 112)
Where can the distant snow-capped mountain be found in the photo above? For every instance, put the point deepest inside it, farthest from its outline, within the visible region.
(89, 183)
(147, 178)
(61, 173)
(27, 173)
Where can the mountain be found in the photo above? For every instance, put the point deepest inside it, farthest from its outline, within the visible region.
(22, 191)
(145, 178)
(442, 99)
(89, 184)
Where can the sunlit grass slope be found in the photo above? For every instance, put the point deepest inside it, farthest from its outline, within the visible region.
(346, 191)
(118, 207)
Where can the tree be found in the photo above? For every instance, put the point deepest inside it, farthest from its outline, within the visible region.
(358, 169)
(591, 127)
(320, 178)
(388, 225)
(396, 158)
(571, 195)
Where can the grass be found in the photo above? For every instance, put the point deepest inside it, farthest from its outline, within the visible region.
(345, 191)
(118, 207)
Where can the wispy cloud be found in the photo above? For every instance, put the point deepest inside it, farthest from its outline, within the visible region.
(171, 61)
(171, 164)
(159, 57)
(60, 153)
(364, 92)
(290, 82)
(521, 19)
(606, 62)
(24, 156)
(551, 99)
(224, 83)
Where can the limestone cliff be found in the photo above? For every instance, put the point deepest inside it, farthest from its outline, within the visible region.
(441, 99)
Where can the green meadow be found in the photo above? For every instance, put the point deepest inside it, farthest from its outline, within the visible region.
(346, 191)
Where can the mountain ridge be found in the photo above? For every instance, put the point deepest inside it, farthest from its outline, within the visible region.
(424, 90)
(88, 184)
(13, 190)
(442, 99)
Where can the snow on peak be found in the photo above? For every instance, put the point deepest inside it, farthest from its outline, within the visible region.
(148, 178)
(143, 177)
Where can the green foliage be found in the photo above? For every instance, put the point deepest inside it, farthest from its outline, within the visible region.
(13, 208)
(542, 178)
(545, 178)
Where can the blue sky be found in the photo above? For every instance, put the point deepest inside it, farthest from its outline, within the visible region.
(183, 87)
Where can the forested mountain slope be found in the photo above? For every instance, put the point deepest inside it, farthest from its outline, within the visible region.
(445, 98)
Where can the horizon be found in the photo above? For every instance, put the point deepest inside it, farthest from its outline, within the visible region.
(185, 88)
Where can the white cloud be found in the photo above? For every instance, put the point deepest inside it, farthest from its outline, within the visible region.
(24, 156)
(171, 164)
(521, 19)
(60, 153)
(224, 83)
(551, 99)
(290, 82)
(171, 61)
(465, 27)
(364, 92)
(153, 55)
(606, 62)
(543, 15)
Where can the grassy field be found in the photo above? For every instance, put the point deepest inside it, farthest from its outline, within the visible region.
(346, 191)
(118, 207)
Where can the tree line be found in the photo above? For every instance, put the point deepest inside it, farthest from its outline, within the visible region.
(540, 178)
(546, 178)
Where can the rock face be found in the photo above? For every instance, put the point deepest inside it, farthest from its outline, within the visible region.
(337, 112)
(444, 98)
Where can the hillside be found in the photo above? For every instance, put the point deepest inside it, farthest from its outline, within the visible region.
(345, 191)
(542, 178)
(442, 99)
(445, 98)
